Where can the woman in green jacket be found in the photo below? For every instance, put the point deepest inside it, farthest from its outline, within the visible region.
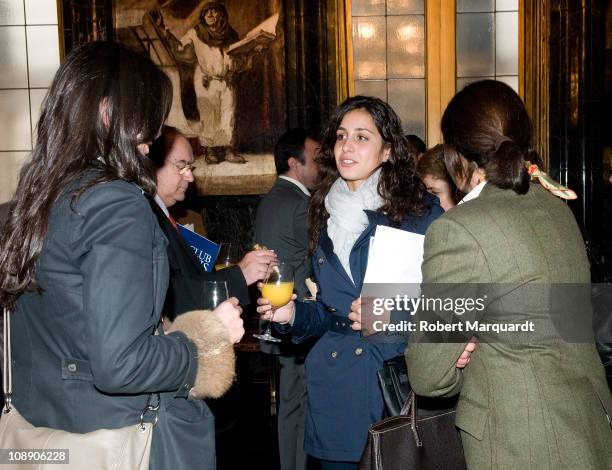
(530, 404)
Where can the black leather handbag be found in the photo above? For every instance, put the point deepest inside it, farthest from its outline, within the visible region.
(393, 380)
(412, 441)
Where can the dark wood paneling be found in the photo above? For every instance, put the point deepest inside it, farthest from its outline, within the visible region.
(577, 44)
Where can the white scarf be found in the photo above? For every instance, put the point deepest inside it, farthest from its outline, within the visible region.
(347, 219)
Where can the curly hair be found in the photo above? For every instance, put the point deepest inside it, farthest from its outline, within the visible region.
(399, 186)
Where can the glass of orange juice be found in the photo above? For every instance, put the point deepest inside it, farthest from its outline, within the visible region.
(277, 288)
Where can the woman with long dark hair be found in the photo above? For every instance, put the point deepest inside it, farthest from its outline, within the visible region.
(536, 401)
(368, 179)
(83, 268)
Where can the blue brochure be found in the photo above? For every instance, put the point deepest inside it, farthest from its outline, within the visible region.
(205, 250)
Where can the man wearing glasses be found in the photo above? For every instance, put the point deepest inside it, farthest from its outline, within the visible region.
(173, 157)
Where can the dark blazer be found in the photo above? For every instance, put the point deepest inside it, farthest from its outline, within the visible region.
(84, 350)
(540, 405)
(282, 226)
(344, 397)
(186, 292)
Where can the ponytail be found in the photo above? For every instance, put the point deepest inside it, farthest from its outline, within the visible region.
(505, 168)
(487, 123)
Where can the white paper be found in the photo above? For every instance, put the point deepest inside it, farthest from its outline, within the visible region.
(395, 256)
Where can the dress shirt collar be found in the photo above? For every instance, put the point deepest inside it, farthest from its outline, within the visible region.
(161, 205)
(474, 193)
(303, 188)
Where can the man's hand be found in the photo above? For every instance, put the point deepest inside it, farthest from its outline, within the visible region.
(466, 355)
(282, 314)
(255, 264)
(355, 314)
(229, 314)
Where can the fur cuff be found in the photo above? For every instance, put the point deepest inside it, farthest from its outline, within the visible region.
(216, 357)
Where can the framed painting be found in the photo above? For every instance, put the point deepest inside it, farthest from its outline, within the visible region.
(242, 72)
(226, 62)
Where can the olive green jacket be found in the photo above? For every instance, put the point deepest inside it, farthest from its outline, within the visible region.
(521, 406)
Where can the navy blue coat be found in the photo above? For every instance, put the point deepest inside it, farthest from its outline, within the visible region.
(344, 397)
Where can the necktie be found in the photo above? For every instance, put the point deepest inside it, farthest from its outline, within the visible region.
(173, 222)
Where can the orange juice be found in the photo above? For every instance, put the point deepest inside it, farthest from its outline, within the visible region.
(219, 267)
(278, 294)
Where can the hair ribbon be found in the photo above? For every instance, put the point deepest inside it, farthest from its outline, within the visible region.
(548, 183)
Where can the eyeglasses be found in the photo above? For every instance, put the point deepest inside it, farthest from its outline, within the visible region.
(183, 167)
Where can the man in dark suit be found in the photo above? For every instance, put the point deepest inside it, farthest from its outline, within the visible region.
(282, 225)
(173, 157)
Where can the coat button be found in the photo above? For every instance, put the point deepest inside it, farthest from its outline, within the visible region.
(358, 351)
(72, 367)
(334, 354)
(320, 260)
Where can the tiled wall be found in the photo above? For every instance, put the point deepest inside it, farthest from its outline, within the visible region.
(389, 56)
(487, 41)
(29, 57)
(390, 50)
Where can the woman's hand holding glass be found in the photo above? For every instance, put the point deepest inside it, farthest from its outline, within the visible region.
(282, 315)
(228, 313)
(277, 291)
(216, 298)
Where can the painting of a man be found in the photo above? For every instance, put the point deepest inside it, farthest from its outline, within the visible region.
(213, 80)
(226, 62)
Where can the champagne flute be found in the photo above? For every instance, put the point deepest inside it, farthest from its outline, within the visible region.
(214, 292)
(227, 256)
(277, 288)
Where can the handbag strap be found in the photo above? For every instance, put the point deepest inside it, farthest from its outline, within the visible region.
(7, 376)
(409, 404)
(410, 409)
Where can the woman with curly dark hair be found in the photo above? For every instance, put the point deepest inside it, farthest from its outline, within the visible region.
(367, 179)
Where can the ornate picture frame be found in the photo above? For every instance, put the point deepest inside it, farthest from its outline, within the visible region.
(294, 78)
(226, 63)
